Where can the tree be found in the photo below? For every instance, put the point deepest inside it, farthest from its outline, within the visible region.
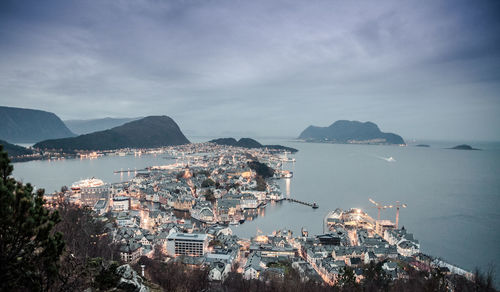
(207, 183)
(261, 169)
(29, 247)
(85, 234)
(209, 196)
(89, 251)
(376, 279)
(347, 279)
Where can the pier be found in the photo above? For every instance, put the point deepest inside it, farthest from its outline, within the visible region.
(313, 205)
(129, 170)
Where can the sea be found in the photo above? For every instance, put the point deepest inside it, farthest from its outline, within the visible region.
(452, 197)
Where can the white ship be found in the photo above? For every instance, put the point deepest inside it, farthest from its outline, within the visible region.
(87, 183)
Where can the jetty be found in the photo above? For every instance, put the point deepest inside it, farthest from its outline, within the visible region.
(313, 205)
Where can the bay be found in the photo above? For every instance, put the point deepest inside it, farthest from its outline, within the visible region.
(452, 195)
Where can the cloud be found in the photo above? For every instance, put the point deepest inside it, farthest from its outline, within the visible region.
(285, 64)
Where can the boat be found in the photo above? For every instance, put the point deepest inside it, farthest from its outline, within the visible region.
(315, 206)
(286, 174)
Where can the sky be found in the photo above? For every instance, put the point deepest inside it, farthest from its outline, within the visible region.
(422, 69)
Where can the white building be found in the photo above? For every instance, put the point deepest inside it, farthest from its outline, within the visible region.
(408, 248)
(219, 271)
(248, 201)
(187, 244)
(121, 203)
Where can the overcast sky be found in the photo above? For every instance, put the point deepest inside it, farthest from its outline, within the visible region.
(422, 69)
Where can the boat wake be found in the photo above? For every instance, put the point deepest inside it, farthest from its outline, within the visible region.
(388, 159)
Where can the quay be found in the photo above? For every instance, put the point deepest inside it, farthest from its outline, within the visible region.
(313, 205)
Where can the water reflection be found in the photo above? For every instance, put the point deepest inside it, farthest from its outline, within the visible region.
(287, 187)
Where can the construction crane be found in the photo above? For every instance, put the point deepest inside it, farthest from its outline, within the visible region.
(379, 207)
(397, 206)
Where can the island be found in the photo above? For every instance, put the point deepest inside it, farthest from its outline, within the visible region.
(251, 143)
(463, 147)
(350, 132)
(148, 132)
(422, 145)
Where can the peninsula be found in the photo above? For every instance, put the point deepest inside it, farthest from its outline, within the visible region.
(350, 132)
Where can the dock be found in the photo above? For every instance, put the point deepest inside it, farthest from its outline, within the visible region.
(313, 205)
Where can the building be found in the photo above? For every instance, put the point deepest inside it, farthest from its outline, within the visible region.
(121, 203)
(218, 271)
(248, 201)
(187, 244)
(101, 207)
(253, 266)
(130, 252)
(91, 190)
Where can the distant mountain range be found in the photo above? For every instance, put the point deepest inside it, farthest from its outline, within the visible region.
(20, 125)
(81, 127)
(350, 132)
(14, 150)
(250, 143)
(148, 132)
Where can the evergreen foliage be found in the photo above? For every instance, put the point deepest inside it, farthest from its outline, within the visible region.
(29, 248)
(261, 169)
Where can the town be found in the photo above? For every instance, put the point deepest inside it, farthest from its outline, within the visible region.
(185, 212)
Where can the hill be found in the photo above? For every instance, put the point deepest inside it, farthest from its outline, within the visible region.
(81, 127)
(148, 132)
(15, 150)
(350, 132)
(21, 125)
(250, 143)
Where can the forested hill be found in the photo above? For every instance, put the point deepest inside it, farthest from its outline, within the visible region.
(15, 150)
(148, 132)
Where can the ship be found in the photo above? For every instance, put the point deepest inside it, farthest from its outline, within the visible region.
(87, 183)
(286, 174)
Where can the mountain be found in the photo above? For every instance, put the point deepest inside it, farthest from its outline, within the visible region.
(250, 143)
(14, 150)
(81, 127)
(148, 132)
(20, 125)
(350, 132)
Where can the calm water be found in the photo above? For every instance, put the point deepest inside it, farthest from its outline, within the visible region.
(452, 196)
